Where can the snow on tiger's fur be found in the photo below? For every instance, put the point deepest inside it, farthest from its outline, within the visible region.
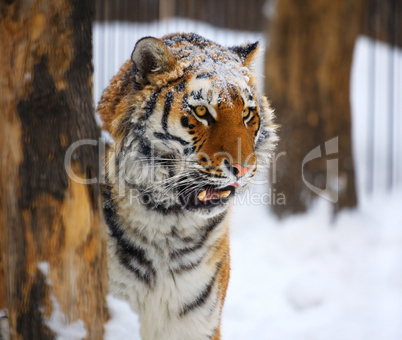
(190, 129)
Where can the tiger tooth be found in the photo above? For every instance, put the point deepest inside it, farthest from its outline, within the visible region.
(202, 195)
(224, 194)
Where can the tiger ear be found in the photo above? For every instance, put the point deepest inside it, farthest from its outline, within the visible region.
(151, 56)
(246, 52)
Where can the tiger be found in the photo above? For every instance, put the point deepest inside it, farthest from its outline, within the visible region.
(188, 125)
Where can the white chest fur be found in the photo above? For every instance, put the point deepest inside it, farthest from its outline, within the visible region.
(165, 268)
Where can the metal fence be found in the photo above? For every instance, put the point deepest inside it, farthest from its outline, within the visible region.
(230, 14)
(377, 115)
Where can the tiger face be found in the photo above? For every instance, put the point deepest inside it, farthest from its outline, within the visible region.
(189, 124)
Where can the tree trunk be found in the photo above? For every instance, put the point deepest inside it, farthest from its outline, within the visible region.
(52, 230)
(3, 303)
(308, 65)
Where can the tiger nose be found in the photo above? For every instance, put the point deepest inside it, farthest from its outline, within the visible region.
(240, 170)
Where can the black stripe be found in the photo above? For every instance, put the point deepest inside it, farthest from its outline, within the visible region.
(203, 297)
(181, 86)
(252, 118)
(139, 126)
(149, 109)
(264, 134)
(197, 95)
(187, 267)
(238, 94)
(205, 75)
(168, 136)
(189, 150)
(184, 105)
(175, 234)
(235, 94)
(122, 151)
(148, 201)
(126, 250)
(145, 147)
(200, 146)
(213, 223)
(258, 128)
(166, 110)
(184, 121)
(220, 98)
(250, 96)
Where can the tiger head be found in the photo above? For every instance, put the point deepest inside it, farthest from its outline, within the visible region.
(188, 123)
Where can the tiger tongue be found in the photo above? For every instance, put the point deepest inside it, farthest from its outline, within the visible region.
(210, 194)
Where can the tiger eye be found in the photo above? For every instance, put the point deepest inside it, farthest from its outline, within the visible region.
(200, 111)
(246, 112)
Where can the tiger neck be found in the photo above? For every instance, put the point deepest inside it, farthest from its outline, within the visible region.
(138, 218)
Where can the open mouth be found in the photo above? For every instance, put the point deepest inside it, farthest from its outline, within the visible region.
(208, 197)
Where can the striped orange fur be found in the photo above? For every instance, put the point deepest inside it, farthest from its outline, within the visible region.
(190, 129)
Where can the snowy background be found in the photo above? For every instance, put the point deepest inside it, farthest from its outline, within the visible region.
(308, 277)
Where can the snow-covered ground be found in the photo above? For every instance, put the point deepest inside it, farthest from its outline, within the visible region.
(308, 277)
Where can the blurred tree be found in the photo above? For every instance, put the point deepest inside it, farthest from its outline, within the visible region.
(51, 231)
(383, 21)
(308, 64)
(2, 282)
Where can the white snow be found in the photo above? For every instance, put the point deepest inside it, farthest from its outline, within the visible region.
(309, 277)
(44, 268)
(58, 322)
(64, 329)
(123, 323)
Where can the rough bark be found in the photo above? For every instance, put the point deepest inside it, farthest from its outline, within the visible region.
(2, 280)
(308, 65)
(51, 231)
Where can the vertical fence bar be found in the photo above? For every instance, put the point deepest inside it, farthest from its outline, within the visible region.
(370, 118)
(391, 70)
(390, 151)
